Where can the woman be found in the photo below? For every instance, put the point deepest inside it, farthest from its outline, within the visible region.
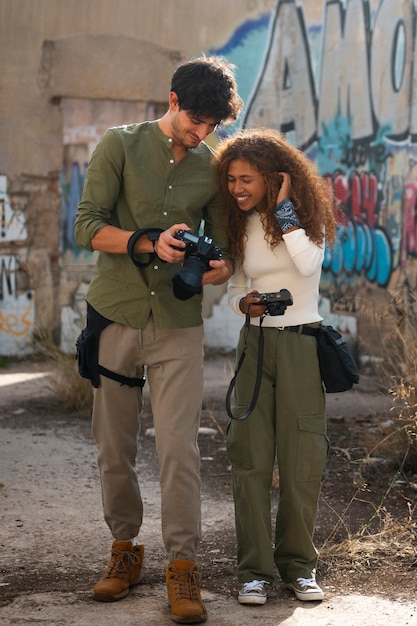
(279, 212)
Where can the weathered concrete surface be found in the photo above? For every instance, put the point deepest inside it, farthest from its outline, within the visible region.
(147, 607)
(50, 514)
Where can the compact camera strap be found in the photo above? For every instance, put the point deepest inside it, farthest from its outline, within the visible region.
(258, 372)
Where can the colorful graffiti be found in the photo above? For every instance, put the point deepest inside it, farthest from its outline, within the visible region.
(73, 319)
(12, 223)
(337, 77)
(16, 309)
(71, 183)
(343, 91)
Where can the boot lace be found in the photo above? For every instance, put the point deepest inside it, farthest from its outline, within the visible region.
(120, 563)
(185, 583)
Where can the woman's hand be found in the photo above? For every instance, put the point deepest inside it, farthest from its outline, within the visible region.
(285, 189)
(284, 212)
(249, 304)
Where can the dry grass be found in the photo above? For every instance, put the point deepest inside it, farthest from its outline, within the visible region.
(399, 369)
(384, 536)
(71, 391)
(382, 533)
(74, 392)
(391, 548)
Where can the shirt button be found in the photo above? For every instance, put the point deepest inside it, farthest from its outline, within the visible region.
(156, 267)
(170, 140)
(169, 186)
(171, 161)
(165, 213)
(152, 293)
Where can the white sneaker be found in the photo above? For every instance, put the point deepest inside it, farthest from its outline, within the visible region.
(306, 589)
(254, 592)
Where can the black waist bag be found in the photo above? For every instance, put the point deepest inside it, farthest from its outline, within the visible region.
(338, 368)
(87, 352)
(87, 355)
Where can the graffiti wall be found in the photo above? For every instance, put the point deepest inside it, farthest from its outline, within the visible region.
(84, 123)
(342, 88)
(339, 83)
(338, 77)
(16, 308)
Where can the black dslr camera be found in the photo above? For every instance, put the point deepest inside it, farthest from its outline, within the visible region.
(199, 251)
(275, 302)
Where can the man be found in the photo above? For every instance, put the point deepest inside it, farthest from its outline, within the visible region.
(145, 182)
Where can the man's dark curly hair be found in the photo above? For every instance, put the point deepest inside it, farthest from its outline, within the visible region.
(207, 88)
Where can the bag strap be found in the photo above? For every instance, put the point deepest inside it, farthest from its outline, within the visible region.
(123, 380)
(97, 323)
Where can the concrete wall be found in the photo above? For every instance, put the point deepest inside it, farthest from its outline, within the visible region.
(336, 76)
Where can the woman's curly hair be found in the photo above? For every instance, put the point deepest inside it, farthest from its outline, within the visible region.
(269, 152)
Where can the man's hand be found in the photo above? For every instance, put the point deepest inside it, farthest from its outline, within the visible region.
(221, 272)
(164, 247)
(114, 240)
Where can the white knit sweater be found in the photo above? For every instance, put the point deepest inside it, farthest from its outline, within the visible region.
(295, 264)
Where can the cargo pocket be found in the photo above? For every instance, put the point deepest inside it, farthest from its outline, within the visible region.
(237, 443)
(313, 448)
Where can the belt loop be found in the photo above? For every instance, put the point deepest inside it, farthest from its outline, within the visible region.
(300, 329)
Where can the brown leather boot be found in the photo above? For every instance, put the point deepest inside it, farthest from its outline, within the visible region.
(184, 597)
(123, 571)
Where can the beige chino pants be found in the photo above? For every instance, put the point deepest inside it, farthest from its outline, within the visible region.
(172, 360)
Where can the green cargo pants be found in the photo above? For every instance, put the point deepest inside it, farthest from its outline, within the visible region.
(287, 424)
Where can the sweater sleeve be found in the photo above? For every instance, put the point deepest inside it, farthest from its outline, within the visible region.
(306, 255)
(238, 288)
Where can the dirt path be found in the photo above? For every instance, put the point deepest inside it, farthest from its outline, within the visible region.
(54, 543)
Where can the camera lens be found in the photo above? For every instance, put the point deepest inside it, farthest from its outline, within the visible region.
(188, 281)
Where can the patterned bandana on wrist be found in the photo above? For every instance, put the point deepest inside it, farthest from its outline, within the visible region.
(285, 216)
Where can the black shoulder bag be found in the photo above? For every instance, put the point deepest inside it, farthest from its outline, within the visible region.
(338, 368)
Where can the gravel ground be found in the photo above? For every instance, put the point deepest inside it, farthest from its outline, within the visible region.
(54, 543)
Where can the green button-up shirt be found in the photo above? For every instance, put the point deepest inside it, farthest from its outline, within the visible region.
(133, 182)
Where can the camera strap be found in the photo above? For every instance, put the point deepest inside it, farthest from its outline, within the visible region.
(305, 330)
(258, 372)
(152, 234)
